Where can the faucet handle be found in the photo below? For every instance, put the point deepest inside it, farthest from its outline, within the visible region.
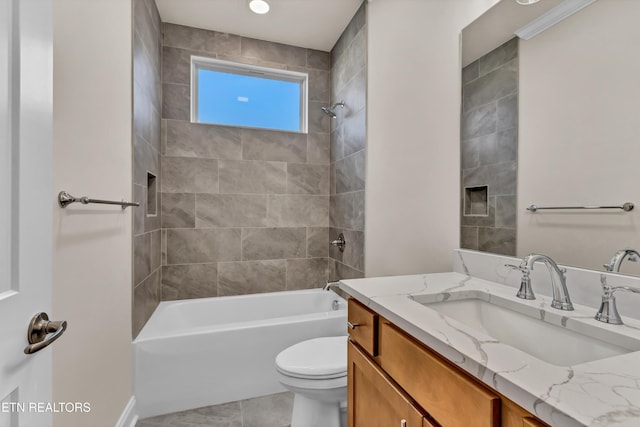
(525, 291)
(608, 312)
(524, 270)
(612, 289)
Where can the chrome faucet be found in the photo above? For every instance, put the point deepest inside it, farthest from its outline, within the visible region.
(561, 299)
(608, 312)
(339, 242)
(614, 265)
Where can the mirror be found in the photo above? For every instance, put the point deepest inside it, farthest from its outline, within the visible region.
(552, 120)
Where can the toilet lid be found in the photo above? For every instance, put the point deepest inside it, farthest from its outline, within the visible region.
(318, 358)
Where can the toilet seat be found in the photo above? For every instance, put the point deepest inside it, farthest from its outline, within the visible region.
(315, 359)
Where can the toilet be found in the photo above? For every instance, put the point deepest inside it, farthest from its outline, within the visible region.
(316, 371)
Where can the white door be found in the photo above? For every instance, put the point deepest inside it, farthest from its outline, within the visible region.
(25, 206)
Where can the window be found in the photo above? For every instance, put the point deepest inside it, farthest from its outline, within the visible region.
(228, 93)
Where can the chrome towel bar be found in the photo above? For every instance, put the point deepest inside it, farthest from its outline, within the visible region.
(628, 206)
(65, 199)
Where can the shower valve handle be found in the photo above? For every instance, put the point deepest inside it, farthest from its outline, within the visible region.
(339, 242)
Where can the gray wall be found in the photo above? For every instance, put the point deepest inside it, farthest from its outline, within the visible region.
(489, 150)
(146, 157)
(243, 210)
(348, 148)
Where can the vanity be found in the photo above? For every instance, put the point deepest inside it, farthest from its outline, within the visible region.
(540, 114)
(384, 361)
(458, 350)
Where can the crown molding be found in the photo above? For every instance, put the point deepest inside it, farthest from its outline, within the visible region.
(551, 18)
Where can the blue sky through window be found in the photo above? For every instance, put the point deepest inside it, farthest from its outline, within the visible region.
(240, 100)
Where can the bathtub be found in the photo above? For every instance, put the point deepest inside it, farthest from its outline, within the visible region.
(207, 351)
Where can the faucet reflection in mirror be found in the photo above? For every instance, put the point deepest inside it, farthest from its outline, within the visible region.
(614, 265)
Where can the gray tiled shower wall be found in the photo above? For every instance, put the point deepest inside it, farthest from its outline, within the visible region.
(348, 148)
(489, 149)
(147, 102)
(243, 210)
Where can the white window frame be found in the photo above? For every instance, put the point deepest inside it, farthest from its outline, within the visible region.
(200, 62)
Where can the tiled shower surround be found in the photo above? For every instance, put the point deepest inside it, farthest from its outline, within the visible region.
(245, 210)
(146, 159)
(490, 151)
(348, 148)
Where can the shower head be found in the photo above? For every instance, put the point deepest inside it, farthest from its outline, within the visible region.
(330, 111)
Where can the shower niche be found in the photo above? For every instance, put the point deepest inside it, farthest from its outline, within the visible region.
(476, 201)
(152, 195)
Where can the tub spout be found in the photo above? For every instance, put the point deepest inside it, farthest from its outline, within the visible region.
(331, 284)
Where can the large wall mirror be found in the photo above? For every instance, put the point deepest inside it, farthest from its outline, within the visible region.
(552, 120)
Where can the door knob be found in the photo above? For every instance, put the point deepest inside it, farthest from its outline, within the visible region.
(39, 327)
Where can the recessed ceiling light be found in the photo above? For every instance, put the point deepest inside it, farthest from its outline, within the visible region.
(527, 2)
(259, 6)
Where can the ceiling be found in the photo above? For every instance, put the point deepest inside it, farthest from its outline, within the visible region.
(313, 24)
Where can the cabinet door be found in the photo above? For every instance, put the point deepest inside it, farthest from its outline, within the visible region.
(515, 416)
(374, 401)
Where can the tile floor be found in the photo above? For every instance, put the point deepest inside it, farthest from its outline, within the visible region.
(266, 411)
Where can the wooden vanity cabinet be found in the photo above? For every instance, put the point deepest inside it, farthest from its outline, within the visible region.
(394, 378)
(532, 422)
(374, 399)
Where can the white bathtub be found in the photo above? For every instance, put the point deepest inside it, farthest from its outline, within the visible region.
(207, 351)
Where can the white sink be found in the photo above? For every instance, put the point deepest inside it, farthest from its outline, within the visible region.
(531, 330)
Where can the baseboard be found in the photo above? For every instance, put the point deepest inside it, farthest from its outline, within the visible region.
(129, 416)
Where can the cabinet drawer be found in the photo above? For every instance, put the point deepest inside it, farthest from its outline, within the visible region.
(374, 400)
(363, 325)
(450, 397)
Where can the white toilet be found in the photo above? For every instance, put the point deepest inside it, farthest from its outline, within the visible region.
(316, 371)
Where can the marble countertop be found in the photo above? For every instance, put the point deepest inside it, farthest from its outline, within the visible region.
(604, 392)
